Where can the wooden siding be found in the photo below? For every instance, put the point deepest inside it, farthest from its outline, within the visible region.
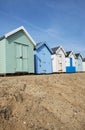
(83, 66)
(70, 64)
(20, 40)
(43, 62)
(3, 56)
(79, 65)
(58, 62)
(10, 60)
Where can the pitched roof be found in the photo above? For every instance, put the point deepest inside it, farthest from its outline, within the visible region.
(38, 45)
(68, 53)
(15, 31)
(1, 38)
(55, 49)
(77, 55)
(83, 59)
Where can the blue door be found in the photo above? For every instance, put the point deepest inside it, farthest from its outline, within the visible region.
(71, 68)
(43, 62)
(70, 61)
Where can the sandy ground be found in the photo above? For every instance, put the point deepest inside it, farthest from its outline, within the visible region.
(43, 102)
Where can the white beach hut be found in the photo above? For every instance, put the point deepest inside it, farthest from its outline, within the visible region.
(83, 64)
(79, 63)
(70, 62)
(58, 59)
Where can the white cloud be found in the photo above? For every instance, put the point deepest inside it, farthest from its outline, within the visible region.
(52, 32)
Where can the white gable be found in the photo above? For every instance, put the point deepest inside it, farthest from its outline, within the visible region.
(72, 55)
(18, 29)
(58, 60)
(60, 51)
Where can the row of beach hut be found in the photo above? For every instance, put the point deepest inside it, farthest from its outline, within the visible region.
(20, 54)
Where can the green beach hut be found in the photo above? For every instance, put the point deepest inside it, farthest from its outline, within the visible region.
(17, 52)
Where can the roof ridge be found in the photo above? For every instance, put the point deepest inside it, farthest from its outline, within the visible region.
(18, 29)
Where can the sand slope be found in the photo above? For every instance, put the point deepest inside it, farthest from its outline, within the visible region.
(43, 102)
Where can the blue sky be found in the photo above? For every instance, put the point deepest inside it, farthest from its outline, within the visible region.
(58, 22)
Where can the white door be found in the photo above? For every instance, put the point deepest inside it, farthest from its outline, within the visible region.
(59, 63)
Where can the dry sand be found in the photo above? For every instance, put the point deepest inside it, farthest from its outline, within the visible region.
(43, 102)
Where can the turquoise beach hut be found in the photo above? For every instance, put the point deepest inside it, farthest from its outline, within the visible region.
(17, 52)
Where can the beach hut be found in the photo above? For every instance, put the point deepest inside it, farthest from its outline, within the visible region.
(83, 62)
(43, 62)
(58, 59)
(70, 62)
(17, 52)
(79, 65)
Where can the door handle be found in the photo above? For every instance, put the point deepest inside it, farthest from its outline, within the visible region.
(21, 57)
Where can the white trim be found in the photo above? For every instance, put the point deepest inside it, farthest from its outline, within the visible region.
(71, 54)
(18, 29)
(61, 49)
